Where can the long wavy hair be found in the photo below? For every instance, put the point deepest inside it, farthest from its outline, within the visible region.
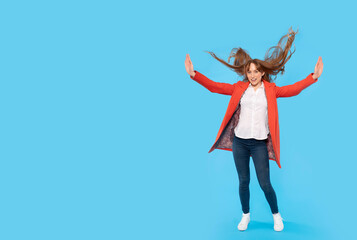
(274, 61)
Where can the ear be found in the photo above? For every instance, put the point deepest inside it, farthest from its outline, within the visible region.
(263, 74)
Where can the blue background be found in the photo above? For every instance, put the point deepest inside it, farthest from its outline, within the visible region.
(103, 135)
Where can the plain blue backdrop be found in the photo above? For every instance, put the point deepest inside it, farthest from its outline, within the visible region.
(103, 135)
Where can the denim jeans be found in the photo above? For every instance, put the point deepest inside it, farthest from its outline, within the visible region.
(242, 150)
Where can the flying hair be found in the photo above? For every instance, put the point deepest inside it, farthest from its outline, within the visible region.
(274, 61)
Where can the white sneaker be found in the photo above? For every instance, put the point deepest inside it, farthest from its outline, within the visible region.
(243, 225)
(278, 222)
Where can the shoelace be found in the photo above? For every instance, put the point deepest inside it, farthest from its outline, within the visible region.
(244, 220)
(277, 218)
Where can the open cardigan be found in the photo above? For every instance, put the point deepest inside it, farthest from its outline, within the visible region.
(224, 139)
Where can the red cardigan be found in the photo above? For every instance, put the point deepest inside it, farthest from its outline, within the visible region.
(225, 134)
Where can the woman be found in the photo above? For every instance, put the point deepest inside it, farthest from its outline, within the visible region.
(250, 126)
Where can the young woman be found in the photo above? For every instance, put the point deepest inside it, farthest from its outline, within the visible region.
(250, 126)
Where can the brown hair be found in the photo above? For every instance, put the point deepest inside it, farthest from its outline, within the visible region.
(273, 63)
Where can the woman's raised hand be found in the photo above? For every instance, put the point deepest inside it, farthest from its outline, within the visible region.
(189, 66)
(318, 68)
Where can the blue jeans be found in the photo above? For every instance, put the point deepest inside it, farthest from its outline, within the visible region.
(242, 150)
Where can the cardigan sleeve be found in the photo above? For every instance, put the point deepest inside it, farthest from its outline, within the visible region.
(296, 88)
(215, 87)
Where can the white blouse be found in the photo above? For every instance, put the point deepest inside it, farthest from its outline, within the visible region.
(253, 118)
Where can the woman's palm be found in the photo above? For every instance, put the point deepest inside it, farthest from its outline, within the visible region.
(318, 68)
(189, 65)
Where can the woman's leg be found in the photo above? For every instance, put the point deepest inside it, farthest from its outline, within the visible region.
(241, 154)
(261, 162)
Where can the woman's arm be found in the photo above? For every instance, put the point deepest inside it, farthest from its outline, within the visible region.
(215, 87)
(296, 88)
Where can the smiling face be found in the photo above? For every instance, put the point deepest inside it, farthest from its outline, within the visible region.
(254, 76)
